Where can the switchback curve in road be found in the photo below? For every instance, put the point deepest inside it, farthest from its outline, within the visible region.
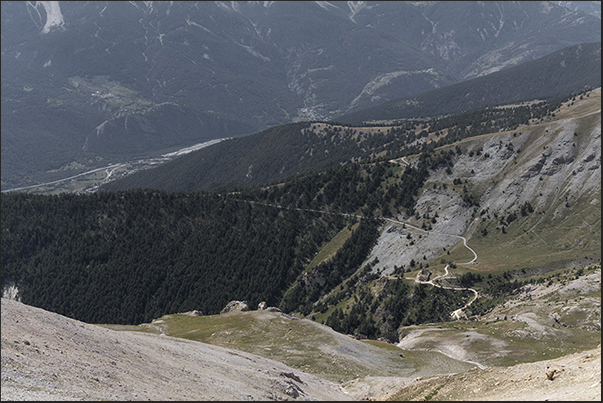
(457, 314)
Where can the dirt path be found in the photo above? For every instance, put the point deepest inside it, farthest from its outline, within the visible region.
(437, 233)
(457, 314)
(472, 261)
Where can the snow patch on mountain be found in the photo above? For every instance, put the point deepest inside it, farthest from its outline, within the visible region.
(325, 4)
(222, 5)
(255, 53)
(355, 7)
(54, 17)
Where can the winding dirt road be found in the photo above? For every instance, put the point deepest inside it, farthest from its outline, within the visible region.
(457, 314)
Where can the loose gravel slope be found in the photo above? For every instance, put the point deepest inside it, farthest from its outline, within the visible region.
(46, 356)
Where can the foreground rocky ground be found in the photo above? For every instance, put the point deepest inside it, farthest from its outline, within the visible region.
(574, 377)
(46, 356)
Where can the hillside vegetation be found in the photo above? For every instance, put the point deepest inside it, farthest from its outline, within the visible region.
(283, 151)
(469, 269)
(131, 256)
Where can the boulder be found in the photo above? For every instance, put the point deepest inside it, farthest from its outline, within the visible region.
(235, 306)
(263, 306)
(194, 313)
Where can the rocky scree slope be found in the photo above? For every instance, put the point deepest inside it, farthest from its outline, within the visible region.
(554, 166)
(46, 356)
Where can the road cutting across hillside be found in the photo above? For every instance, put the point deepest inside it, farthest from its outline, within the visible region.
(457, 314)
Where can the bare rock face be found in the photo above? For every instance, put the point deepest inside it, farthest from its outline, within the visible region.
(195, 313)
(235, 306)
(263, 306)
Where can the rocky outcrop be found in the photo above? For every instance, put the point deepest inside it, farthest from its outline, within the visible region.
(235, 306)
(194, 312)
(262, 306)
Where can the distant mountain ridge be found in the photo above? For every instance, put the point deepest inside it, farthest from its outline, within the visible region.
(591, 7)
(282, 151)
(235, 68)
(568, 70)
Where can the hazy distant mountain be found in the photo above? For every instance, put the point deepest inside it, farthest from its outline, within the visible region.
(565, 71)
(590, 7)
(282, 151)
(84, 83)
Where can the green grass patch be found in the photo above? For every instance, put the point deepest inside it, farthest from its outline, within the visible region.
(302, 344)
(332, 247)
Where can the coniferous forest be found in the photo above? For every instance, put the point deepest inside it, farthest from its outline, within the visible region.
(130, 256)
(278, 153)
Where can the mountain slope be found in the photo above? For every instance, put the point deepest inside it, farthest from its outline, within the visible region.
(98, 363)
(46, 356)
(577, 378)
(236, 68)
(518, 190)
(500, 243)
(282, 151)
(563, 72)
(555, 166)
(591, 7)
(516, 197)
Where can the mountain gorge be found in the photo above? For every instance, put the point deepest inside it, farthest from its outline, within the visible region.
(113, 80)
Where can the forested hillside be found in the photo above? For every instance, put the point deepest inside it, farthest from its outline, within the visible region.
(283, 151)
(303, 244)
(131, 256)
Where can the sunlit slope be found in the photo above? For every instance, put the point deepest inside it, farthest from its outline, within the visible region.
(538, 195)
(543, 206)
(303, 344)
